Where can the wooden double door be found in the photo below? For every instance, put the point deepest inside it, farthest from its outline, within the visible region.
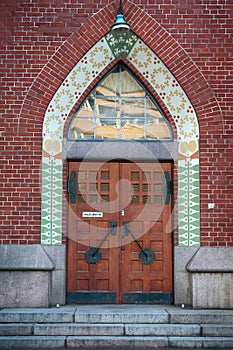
(119, 234)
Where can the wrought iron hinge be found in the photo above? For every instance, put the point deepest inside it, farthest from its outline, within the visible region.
(168, 187)
(73, 186)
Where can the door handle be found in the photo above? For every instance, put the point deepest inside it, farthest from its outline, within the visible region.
(93, 255)
(146, 255)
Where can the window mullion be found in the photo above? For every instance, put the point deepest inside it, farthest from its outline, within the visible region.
(95, 114)
(120, 103)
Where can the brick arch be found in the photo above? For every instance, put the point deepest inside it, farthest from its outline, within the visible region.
(153, 34)
(53, 77)
(70, 91)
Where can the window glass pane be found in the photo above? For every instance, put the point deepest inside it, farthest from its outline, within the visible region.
(158, 176)
(104, 175)
(134, 175)
(119, 108)
(82, 175)
(83, 123)
(130, 86)
(135, 200)
(104, 187)
(104, 198)
(93, 187)
(82, 187)
(156, 127)
(134, 188)
(93, 175)
(110, 86)
(145, 199)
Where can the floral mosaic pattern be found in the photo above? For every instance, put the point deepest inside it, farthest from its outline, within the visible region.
(121, 45)
(166, 86)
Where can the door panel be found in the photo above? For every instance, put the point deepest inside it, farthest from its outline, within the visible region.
(95, 195)
(148, 217)
(123, 195)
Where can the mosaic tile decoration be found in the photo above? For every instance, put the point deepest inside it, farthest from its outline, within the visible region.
(158, 75)
(51, 211)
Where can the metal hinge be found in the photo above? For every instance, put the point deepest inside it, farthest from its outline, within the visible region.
(73, 186)
(168, 187)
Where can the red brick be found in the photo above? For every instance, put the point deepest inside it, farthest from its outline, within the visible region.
(41, 42)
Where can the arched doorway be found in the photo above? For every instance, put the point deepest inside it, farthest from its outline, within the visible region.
(181, 112)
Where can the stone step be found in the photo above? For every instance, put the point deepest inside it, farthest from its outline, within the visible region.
(67, 329)
(123, 342)
(29, 342)
(162, 330)
(217, 330)
(144, 314)
(113, 342)
(16, 329)
(81, 329)
(51, 315)
(115, 326)
(150, 314)
(149, 342)
(124, 314)
(177, 316)
(201, 342)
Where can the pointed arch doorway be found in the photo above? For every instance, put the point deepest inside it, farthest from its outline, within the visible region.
(119, 240)
(183, 118)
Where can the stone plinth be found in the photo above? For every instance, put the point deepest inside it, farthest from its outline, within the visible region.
(32, 275)
(211, 271)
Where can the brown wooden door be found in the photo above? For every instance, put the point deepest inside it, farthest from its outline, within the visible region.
(124, 209)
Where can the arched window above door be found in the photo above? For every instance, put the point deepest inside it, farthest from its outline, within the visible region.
(119, 107)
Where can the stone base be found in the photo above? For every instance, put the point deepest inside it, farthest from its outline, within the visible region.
(24, 289)
(212, 290)
(32, 276)
(182, 287)
(211, 271)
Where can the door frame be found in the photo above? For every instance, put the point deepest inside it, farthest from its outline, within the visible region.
(166, 153)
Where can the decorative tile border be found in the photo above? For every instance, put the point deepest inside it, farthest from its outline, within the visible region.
(178, 104)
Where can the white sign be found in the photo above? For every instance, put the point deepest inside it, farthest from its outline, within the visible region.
(92, 214)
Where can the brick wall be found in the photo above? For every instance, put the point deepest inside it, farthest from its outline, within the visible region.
(42, 40)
